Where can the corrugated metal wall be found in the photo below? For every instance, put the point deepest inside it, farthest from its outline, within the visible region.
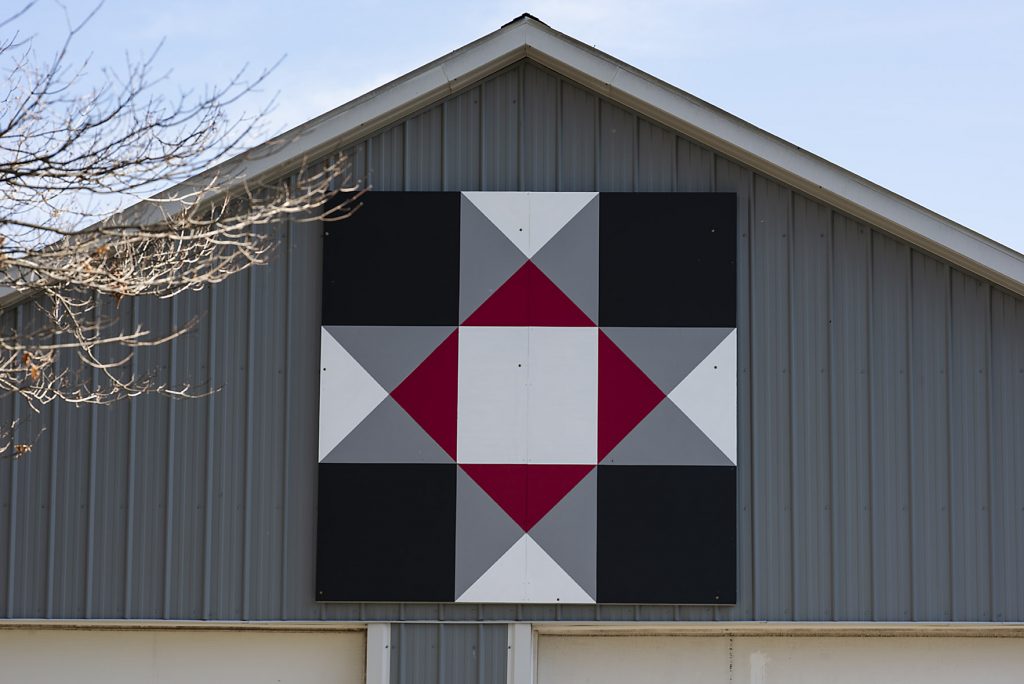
(881, 468)
(450, 653)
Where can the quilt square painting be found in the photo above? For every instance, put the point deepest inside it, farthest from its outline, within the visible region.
(529, 397)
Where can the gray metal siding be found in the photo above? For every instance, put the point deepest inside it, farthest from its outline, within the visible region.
(448, 653)
(881, 440)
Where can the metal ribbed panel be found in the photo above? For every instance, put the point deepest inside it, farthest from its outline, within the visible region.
(969, 449)
(810, 470)
(656, 157)
(771, 394)
(499, 141)
(386, 154)
(929, 448)
(890, 437)
(730, 177)
(540, 106)
(1007, 454)
(577, 133)
(850, 420)
(880, 440)
(616, 167)
(423, 150)
(448, 653)
(461, 141)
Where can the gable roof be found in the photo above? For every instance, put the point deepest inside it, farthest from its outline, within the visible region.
(527, 37)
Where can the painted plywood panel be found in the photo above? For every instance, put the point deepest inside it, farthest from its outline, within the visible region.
(536, 359)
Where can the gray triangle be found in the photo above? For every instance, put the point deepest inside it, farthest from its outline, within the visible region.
(483, 532)
(569, 533)
(570, 258)
(487, 258)
(389, 352)
(667, 437)
(388, 435)
(667, 355)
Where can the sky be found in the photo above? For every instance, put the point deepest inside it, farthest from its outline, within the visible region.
(923, 98)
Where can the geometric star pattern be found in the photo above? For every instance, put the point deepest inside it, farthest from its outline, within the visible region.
(513, 392)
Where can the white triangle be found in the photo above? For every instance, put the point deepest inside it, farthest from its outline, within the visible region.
(708, 396)
(348, 394)
(529, 219)
(525, 574)
(550, 211)
(504, 582)
(509, 211)
(547, 582)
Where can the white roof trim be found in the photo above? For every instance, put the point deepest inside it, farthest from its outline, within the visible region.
(749, 145)
(777, 158)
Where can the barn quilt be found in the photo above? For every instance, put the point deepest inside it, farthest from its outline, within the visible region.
(529, 398)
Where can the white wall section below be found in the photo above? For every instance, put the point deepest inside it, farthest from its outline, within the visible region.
(771, 660)
(126, 656)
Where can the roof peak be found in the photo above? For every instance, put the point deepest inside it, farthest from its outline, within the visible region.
(526, 37)
(523, 17)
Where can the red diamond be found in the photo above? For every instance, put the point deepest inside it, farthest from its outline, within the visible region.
(625, 395)
(526, 491)
(529, 298)
(430, 393)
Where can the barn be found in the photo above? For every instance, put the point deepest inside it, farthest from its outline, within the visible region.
(758, 419)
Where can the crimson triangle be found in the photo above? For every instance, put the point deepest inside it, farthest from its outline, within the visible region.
(529, 298)
(430, 393)
(625, 395)
(526, 491)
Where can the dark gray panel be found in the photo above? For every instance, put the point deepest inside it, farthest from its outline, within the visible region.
(423, 151)
(809, 293)
(462, 141)
(357, 163)
(500, 114)
(386, 157)
(1007, 449)
(929, 449)
(540, 144)
(449, 653)
(261, 578)
(577, 135)
(114, 437)
(730, 177)
(968, 426)
(186, 474)
(8, 482)
(223, 570)
(849, 419)
(695, 168)
(617, 148)
(771, 392)
(298, 473)
(890, 439)
(656, 157)
(29, 496)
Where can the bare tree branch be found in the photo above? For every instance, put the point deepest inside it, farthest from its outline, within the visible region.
(77, 144)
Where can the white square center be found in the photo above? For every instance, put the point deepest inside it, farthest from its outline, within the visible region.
(527, 395)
